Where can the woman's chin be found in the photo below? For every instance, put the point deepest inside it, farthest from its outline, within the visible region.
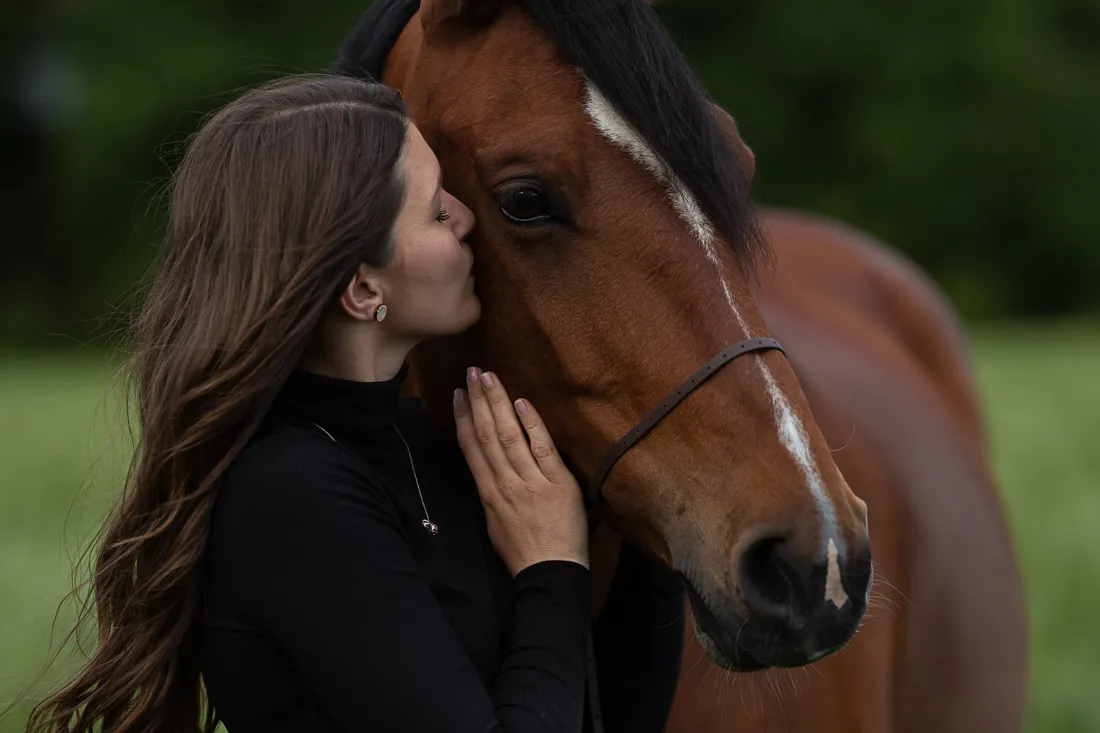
(470, 309)
(460, 317)
(475, 311)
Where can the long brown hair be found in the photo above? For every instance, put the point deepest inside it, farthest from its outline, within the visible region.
(279, 198)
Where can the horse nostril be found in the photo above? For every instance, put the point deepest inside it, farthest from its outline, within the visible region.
(796, 602)
(770, 583)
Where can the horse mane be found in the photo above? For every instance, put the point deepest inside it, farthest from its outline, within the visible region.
(623, 49)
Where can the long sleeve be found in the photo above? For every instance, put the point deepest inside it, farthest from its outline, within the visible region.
(316, 553)
(639, 639)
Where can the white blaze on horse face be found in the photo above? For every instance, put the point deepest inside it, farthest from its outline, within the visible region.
(792, 434)
(623, 134)
(834, 586)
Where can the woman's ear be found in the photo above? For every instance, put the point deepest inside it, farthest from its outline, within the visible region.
(434, 12)
(363, 295)
(746, 159)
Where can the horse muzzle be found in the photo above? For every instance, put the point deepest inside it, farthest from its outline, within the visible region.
(789, 611)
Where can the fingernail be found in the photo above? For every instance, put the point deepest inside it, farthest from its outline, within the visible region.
(460, 396)
(487, 380)
(472, 374)
(521, 407)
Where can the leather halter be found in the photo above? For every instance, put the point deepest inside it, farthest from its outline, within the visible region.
(628, 441)
(661, 411)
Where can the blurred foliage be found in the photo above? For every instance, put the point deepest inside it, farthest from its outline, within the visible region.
(961, 132)
(130, 80)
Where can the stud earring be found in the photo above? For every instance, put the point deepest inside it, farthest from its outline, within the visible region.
(380, 314)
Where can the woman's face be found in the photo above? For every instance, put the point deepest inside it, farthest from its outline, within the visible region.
(429, 284)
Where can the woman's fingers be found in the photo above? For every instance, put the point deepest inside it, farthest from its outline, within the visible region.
(542, 445)
(532, 514)
(467, 440)
(509, 431)
(485, 429)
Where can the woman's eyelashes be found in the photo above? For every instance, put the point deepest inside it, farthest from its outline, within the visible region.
(443, 215)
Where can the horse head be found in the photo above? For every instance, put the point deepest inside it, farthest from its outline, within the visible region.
(616, 246)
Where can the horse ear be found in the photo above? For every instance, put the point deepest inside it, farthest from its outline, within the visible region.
(746, 159)
(478, 12)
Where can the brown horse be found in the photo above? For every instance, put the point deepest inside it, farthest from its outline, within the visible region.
(616, 249)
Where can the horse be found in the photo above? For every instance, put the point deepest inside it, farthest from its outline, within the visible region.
(617, 251)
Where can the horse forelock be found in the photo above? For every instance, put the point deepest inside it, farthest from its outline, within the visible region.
(364, 51)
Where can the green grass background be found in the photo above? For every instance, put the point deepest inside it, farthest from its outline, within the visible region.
(1041, 384)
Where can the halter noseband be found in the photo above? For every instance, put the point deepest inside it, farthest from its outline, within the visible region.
(661, 411)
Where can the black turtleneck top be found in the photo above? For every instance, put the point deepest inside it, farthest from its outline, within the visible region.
(329, 607)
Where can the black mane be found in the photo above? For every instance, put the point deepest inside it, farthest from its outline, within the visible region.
(363, 53)
(623, 49)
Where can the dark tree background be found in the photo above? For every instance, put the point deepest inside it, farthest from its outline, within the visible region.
(963, 132)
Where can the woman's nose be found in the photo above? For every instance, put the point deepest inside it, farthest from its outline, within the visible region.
(463, 218)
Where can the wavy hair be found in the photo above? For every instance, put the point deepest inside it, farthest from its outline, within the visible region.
(279, 197)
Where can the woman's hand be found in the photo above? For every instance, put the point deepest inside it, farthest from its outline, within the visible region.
(533, 505)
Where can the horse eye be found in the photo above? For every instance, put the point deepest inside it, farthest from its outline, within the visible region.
(525, 205)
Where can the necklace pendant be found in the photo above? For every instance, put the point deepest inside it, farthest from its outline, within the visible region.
(433, 529)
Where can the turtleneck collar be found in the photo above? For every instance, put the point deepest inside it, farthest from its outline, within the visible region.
(343, 405)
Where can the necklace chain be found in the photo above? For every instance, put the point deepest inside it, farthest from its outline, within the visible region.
(427, 523)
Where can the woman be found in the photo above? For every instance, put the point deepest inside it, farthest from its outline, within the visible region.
(295, 532)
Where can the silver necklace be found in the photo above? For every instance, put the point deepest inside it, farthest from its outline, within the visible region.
(431, 527)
